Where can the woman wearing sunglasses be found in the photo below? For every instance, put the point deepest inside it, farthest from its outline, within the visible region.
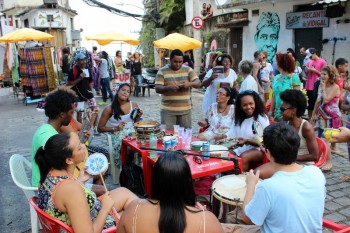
(250, 121)
(293, 106)
(219, 116)
(287, 79)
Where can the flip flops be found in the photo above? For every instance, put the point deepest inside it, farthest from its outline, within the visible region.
(327, 168)
(345, 178)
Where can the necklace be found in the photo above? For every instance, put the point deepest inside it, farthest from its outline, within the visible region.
(224, 109)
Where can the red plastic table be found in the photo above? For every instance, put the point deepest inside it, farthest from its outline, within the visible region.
(208, 167)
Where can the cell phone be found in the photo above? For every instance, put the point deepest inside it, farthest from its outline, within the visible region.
(218, 70)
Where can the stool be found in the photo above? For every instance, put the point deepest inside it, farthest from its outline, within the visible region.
(144, 86)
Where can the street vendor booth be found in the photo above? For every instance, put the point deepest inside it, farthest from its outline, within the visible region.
(34, 63)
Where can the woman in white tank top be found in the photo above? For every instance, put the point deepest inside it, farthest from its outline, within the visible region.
(292, 109)
(116, 119)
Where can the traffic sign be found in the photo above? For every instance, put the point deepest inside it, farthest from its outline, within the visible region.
(197, 22)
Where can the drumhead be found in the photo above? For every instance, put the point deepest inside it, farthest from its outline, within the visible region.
(101, 160)
(230, 189)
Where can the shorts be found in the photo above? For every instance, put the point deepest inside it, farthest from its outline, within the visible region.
(80, 106)
(266, 87)
(311, 100)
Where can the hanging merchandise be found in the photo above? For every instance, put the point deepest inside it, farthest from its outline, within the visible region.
(15, 74)
(49, 68)
(33, 71)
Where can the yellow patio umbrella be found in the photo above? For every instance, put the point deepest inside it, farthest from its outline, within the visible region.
(177, 41)
(105, 38)
(26, 34)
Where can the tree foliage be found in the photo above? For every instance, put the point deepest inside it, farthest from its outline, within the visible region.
(171, 17)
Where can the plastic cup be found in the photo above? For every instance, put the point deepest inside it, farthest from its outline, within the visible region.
(162, 127)
(176, 129)
(181, 131)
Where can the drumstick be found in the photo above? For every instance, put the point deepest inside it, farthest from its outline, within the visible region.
(104, 184)
(99, 171)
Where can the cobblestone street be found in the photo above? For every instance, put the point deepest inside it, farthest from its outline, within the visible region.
(19, 123)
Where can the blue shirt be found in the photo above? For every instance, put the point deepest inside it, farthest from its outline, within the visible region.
(289, 202)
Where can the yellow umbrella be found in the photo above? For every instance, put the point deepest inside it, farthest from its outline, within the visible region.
(177, 41)
(25, 34)
(107, 37)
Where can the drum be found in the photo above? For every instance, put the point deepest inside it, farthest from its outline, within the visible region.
(228, 191)
(101, 160)
(144, 129)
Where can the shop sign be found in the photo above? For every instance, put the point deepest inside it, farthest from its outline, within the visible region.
(307, 19)
(197, 22)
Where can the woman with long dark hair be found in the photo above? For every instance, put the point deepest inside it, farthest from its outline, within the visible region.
(250, 120)
(65, 197)
(172, 205)
(136, 70)
(220, 115)
(116, 118)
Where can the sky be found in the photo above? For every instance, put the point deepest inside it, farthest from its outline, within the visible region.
(94, 20)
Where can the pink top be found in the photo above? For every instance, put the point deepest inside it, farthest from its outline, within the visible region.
(311, 76)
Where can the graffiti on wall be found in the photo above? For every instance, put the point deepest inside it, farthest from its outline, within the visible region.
(267, 33)
(206, 10)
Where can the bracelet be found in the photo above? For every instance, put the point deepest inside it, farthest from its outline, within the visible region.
(113, 129)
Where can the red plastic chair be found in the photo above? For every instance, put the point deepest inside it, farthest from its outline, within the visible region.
(50, 224)
(322, 152)
(335, 226)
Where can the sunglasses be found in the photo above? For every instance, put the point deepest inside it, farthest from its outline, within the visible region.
(282, 109)
(197, 160)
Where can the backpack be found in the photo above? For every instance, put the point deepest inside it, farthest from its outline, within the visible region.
(131, 177)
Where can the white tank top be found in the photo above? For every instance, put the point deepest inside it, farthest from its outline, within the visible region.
(124, 118)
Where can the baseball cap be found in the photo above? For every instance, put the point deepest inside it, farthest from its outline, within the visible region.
(310, 51)
(80, 56)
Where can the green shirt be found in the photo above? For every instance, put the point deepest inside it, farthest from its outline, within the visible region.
(281, 83)
(42, 134)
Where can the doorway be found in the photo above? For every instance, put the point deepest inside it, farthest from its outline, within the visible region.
(308, 38)
(236, 46)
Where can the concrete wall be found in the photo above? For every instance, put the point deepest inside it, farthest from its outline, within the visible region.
(12, 3)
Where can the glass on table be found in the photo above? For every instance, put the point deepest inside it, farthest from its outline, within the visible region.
(176, 129)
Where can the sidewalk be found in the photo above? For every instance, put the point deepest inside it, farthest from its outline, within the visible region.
(19, 122)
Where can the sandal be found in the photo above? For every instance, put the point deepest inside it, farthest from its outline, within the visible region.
(345, 178)
(339, 152)
(327, 168)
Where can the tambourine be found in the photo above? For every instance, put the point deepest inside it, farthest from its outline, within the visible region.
(135, 113)
(101, 160)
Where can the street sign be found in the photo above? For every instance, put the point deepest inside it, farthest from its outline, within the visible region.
(197, 22)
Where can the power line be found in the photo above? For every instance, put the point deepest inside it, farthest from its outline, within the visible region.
(113, 10)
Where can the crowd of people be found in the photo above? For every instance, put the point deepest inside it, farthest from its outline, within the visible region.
(266, 112)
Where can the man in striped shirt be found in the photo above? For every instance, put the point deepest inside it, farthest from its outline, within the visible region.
(174, 81)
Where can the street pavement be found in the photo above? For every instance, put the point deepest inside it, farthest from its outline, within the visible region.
(19, 122)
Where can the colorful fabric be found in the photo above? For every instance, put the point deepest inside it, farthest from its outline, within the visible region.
(51, 76)
(328, 114)
(281, 83)
(46, 200)
(219, 124)
(180, 101)
(14, 71)
(33, 71)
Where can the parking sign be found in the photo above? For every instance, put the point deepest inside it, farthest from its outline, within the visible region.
(197, 22)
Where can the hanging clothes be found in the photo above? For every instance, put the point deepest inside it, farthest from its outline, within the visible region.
(51, 76)
(14, 71)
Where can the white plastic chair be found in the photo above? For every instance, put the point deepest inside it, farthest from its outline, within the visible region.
(20, 178)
